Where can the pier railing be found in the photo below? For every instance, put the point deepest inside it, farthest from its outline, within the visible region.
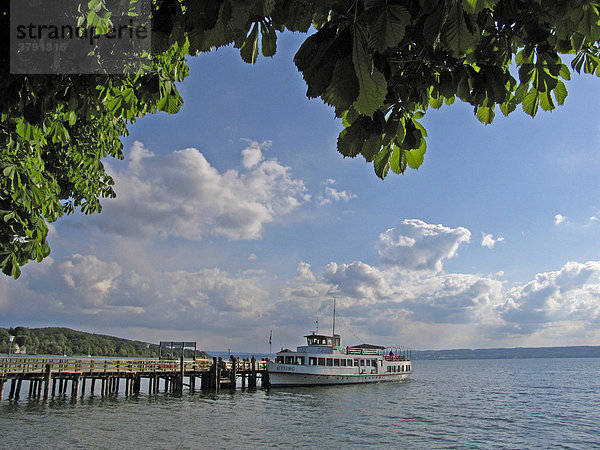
(91, 366)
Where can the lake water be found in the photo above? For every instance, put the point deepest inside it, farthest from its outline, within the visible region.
(526, 403)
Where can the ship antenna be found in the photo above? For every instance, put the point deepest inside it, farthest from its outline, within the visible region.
(352, 331)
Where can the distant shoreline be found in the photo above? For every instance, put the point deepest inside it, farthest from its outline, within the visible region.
(581, 351)
(59, 341)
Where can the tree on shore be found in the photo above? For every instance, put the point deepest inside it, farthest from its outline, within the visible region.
(57, 341)
(381, 64)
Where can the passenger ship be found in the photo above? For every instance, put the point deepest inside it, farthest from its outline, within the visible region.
(324, 361)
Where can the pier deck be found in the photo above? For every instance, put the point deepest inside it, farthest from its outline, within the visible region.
(50, 376)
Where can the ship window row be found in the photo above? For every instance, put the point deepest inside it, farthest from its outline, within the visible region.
(324, 340)
(290, 360)
(398, 368)
(340, 362)
(332, 362)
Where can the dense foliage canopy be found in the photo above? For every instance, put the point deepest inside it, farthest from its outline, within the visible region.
(379, 63)
(60, 341)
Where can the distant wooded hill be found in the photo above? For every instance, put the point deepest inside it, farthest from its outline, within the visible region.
(511, 353)
(60, 341)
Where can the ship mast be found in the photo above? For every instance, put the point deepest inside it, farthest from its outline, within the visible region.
(333, 332)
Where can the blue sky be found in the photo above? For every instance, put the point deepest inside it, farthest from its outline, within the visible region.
(237, 216)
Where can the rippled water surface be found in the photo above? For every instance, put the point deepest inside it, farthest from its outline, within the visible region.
(530, 403)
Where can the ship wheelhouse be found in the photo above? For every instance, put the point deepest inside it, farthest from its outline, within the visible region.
(323, 340)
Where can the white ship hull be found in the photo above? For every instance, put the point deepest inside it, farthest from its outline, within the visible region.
(312, 379)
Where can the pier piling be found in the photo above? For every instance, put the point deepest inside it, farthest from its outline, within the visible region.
(252, 379)
(181, 374)
(232, 372)
(47, 377)
(11, 393)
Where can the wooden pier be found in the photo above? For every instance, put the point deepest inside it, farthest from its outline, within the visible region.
(51, 377)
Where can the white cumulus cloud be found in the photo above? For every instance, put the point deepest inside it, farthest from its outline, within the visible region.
(85, 290)
(253, 154)
(487, 240)
(357, 280)
(89, 276)
(182, 195)
(380, 301)
(417, 245)
(571, 293)
(331, 195)
(559, 218)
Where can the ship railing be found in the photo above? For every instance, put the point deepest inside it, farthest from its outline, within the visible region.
(245, 365)
(362, 351)
(396, 358)
(33, 366)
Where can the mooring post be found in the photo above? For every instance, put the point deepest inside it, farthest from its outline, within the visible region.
(218, 375)
(75, 387)
(252, 380)
(265, 381)
(1, 389)
(213, 373)
(181, 373)
(194, 370)
(233, 372)
(13, 385)
(18, 389)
